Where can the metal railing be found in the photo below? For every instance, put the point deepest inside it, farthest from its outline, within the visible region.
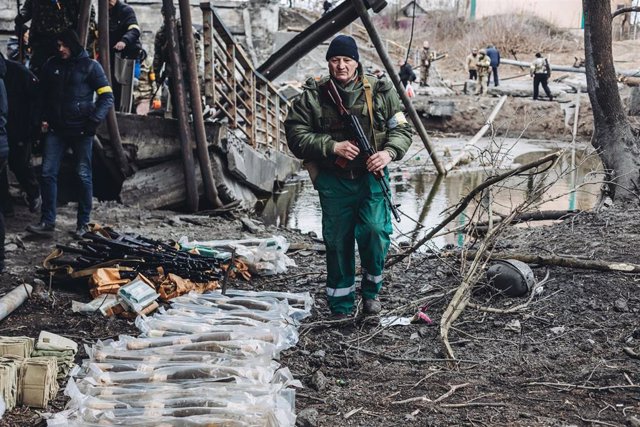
(236, 90)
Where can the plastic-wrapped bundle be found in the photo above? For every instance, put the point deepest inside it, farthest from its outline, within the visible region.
(299, 304)
(208, 308)
(266, 333)
(177, 404)
(184, 314)
(136, 366)
(184, 373)
(148, 356)
(81, 390)
(206, 361)
(152, 327)
(256, 305)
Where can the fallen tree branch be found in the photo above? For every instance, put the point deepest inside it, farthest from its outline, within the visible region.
(452, 389)
(598, 265)
(468, 198)
(533, 216)
(408, 359)
(583, 387)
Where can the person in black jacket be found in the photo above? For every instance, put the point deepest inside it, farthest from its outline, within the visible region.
(22, 130)
(406, 73)
(4, 147)
(124, 39)
(69, 82)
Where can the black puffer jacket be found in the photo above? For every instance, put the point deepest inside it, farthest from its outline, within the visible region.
(123, 26)
(68, 87)
(22, 92)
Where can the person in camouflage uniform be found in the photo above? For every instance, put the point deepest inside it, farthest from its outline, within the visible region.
(161, 55)
(483, 66)
(353, 205)
(426, 57)
(48, 19)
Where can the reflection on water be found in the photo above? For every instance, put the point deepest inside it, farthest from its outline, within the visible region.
(423, 197)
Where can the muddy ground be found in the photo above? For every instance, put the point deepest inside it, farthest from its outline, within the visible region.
(565, 366)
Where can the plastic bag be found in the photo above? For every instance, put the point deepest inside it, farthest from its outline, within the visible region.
(409, 91)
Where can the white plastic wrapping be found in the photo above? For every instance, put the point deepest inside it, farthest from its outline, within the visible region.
(208, 360)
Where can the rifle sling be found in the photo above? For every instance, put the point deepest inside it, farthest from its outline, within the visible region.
(368, 95)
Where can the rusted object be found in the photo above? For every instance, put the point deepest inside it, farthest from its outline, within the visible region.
(83, 21)
(112, 123)
(210, 192)
(180, 102)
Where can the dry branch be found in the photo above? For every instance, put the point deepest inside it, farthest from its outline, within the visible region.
(623, 267)
(468, 198)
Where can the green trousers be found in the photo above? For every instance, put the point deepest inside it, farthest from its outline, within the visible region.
(353, 210)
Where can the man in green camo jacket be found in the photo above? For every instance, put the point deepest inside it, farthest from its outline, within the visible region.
(353, 206)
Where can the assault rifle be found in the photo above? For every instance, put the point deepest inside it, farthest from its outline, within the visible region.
(362, 143)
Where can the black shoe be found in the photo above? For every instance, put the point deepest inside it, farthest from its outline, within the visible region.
(42, 229)
(34, 203)
(81, 231)
(371, 306)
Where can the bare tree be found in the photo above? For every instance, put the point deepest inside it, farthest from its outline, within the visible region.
(616, 141)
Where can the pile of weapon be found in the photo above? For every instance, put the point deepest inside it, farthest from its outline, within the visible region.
(132, 254)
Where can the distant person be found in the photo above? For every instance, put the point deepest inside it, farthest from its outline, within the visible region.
(471, 61)
(326, 6)
(540, 70)
(426, 57)
(494, 54)
(4, 149)
(23, 129)
(483, 66)
(68, 84)
(406, 73)
(124, 39)
(161, 63)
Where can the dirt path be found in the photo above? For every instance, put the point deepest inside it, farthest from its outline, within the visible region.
(565, 366)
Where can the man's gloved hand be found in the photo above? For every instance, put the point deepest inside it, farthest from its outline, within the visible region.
(90, 127)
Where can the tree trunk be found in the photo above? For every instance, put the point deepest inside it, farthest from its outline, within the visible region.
(617, 143)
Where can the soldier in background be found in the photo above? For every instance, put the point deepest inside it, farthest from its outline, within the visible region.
(426, 56)
(161, 64)
(471, 61)
(483, 66)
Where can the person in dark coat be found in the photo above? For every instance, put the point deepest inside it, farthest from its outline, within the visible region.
(406, 73)
(124, 39)
(494, 54)
(4, 147)
(48, 18)
(22, 130)
(69, 82)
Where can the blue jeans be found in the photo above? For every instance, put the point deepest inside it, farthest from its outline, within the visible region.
(55, 146)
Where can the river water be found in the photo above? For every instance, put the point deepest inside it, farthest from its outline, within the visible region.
(573, 183)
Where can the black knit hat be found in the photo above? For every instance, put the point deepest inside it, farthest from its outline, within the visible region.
(71, 40)
(343, 46)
